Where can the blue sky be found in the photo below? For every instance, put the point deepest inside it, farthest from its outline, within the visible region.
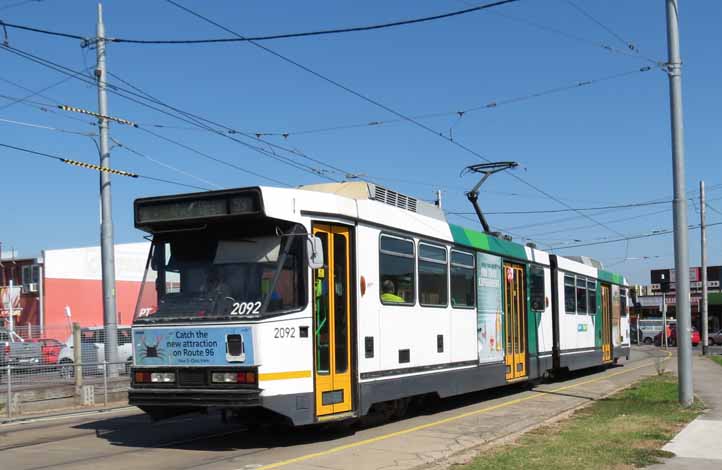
(607, 143)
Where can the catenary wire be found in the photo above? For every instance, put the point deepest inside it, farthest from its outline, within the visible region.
(50, 128)
(125, 94)
(382, 106)
(163, 164)
(97, 167)
(353, 29)
(631, 46)
(18, 4)
(655, 233)
(554, 211)
(33, 93)
(462, 112)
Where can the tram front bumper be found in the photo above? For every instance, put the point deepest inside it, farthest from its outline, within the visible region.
(196, 398)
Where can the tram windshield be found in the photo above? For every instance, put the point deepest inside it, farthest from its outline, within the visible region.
(222, 277)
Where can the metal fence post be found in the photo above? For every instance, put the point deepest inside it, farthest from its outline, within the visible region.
(10, 391)
(105, 383)
(78, 356)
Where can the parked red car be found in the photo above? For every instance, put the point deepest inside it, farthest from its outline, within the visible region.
(50, 349)
(672, 336)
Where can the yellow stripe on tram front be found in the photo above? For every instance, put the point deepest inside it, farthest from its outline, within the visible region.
(296, 374)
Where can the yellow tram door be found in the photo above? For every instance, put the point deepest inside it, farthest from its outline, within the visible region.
(332, 322)
(606, 324)
(515, 321)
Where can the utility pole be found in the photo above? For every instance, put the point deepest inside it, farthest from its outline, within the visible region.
(681, 249)
(106, 218)
(703, 253)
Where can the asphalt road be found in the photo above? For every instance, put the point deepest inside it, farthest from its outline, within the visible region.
(127, 439)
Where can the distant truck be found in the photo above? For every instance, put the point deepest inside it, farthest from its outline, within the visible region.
(15, 351)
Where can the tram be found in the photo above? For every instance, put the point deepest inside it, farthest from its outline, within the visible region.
(330, 301)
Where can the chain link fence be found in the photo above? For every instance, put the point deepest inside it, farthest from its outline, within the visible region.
(42, 370)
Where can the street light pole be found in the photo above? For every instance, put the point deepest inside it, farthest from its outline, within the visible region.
(703, 255)
(106, 222)
(681, 250)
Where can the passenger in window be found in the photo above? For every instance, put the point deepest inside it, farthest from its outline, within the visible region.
(389, 292)
(219, 291)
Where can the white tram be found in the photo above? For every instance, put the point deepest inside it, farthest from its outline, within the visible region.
(317, 303)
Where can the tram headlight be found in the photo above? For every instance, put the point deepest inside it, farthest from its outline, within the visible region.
(239, 377)
(224, 377)
(162, 377)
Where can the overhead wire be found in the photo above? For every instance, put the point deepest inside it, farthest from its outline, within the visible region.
(631, 46)
(322, 32)
(380, 105)
(33, 93)
(654, 233)
(92, 166)
(575, 209)
(460, 113)
(192, 119)
(125, 147)
(18, 4)
(50, 128)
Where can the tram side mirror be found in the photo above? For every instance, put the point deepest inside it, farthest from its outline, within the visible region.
(314, 252)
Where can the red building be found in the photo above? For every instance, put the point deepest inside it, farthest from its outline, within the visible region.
(68, 281)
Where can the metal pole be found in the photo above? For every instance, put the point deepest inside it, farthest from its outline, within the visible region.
(11, 319)
(106, 225)
(9, 372)
(681, 254)
(78, 357)
(664, 319)
(105, 383)
(703, 249)
(41, 296)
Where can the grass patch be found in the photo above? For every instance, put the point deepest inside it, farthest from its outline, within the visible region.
(717, 359)
(626, 430)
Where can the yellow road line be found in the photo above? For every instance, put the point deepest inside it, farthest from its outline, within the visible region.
(296, 374)
(450, 419)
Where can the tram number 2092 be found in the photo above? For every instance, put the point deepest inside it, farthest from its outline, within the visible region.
(288, 332)
(246, 308)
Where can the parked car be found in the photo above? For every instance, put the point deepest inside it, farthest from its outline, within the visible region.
(672, 336)
(93, 350)
(649, 329)
(714, 337)
(16, 351)
(50, 349)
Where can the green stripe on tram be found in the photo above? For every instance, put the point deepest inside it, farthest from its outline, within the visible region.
(607, 276)
(482, 241)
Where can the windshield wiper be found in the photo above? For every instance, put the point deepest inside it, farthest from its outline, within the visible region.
(279, 268)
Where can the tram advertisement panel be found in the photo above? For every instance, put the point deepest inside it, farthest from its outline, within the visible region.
(489, 310)
(193, 346)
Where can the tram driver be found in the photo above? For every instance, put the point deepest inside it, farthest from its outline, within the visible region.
(389, 292)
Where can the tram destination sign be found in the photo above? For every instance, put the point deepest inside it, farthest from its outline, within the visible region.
(197, 206)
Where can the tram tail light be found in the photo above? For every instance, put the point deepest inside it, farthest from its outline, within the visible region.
(142, 377)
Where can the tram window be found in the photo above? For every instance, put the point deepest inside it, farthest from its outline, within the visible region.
(341, 300)
(592, 297)
(623, 300)
(581, 295)
(570, 302)
(536, 287)
(433, 280)
(396, 270)
(462, 279)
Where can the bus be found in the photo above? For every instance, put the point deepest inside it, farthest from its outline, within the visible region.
(334, 301)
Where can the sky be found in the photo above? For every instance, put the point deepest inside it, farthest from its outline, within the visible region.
(606, 143)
